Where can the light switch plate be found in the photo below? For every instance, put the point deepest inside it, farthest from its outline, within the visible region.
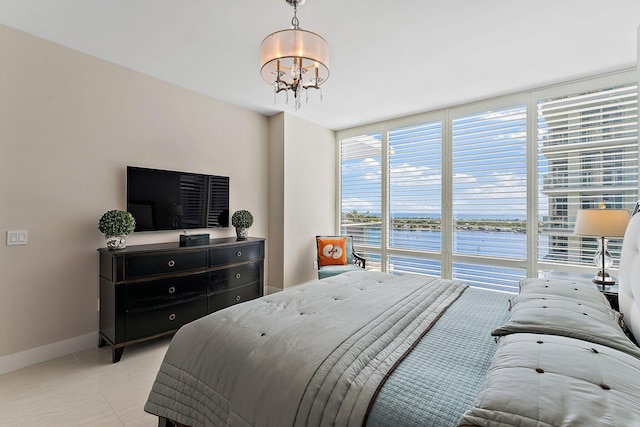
(17, 237)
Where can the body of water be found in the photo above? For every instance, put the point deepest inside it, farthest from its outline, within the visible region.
(484, 243)
(465, 242)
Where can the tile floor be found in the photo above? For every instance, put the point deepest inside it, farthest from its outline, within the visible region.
(84, 389)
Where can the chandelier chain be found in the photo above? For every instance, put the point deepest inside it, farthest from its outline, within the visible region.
(294, 21)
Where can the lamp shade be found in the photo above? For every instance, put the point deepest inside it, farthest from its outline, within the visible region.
(285, 45)
(601, 222)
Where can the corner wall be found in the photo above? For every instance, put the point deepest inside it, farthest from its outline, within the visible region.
(276, 203)
(70, 125)
(303, 160)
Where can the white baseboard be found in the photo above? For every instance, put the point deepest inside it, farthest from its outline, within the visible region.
(15, 361)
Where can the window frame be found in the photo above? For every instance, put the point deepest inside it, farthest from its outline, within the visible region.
(531, 264)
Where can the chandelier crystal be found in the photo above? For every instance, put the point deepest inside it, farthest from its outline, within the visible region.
(294, 60)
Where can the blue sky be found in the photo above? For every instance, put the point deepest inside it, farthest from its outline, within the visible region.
(489, 168)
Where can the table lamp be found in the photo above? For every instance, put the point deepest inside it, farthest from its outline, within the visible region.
(602, 223)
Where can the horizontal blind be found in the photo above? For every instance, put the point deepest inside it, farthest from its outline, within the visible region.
(218, 209)
(489, 183)
(414, 265)
(361, 189)
(193, 205)
(587, 158)
(493, 277)
(415, 187)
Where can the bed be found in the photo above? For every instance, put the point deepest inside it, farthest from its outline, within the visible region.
(375, 349)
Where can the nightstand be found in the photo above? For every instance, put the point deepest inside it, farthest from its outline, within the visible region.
(609, 291)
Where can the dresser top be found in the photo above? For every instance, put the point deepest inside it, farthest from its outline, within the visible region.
(173, 246)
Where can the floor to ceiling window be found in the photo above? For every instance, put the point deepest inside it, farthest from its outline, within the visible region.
(361, 193)
(488, 193)
(414, 196)
(489, 155)
(588, 158)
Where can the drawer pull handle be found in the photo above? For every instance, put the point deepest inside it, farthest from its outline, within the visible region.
(238, 298)
(171, 263)
(237, 275)
(172, 317)
(172, 289)
(239, 253)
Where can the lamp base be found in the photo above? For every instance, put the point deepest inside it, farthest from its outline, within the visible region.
(604, 279)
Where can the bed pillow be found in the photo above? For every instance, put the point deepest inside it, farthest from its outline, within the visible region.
(598, 305)
(332, 251)
(564, 288)
(568, 318)
(541, 380)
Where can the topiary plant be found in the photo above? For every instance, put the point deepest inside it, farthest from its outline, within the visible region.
(116, 222)
(242, 219)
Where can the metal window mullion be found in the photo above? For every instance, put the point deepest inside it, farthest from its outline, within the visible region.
(532, 188)
(384, 199)
(446, 207)
(384, 208)
(338, 188)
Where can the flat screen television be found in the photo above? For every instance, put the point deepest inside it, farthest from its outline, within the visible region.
(172, 200)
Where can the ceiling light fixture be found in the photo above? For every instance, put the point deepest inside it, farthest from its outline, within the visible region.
(294, 60)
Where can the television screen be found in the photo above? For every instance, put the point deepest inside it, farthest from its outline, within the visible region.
(171, 200)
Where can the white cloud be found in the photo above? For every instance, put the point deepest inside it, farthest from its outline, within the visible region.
(406, 175)
(359, 205)
(459, 178)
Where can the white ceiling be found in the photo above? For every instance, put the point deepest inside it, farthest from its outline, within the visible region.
(389, 58)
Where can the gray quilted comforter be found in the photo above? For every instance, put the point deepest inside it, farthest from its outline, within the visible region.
(312, 355)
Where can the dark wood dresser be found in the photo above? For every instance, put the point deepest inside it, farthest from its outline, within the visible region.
(147, 291)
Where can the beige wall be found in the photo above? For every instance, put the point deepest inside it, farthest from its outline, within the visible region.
(309, 195)
(276, 202)
(69, 125)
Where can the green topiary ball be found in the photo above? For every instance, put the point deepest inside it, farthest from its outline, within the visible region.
(115, 222)
(242, 219)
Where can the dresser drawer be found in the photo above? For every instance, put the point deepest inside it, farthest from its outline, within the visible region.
(143, 323)
(165, 291)
(235, 254)
(235, 296)
(147, 291)
(233, 277)
(164, 263)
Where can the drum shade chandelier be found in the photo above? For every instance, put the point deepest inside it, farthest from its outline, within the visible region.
(294, 60)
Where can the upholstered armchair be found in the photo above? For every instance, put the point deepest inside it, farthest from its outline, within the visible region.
(336, 255)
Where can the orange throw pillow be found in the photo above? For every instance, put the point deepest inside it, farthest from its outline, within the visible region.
(332, 251)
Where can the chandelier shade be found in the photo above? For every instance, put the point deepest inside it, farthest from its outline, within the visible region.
(289, 47)
(294, 60)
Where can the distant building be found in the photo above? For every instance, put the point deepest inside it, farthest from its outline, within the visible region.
(590, 144)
